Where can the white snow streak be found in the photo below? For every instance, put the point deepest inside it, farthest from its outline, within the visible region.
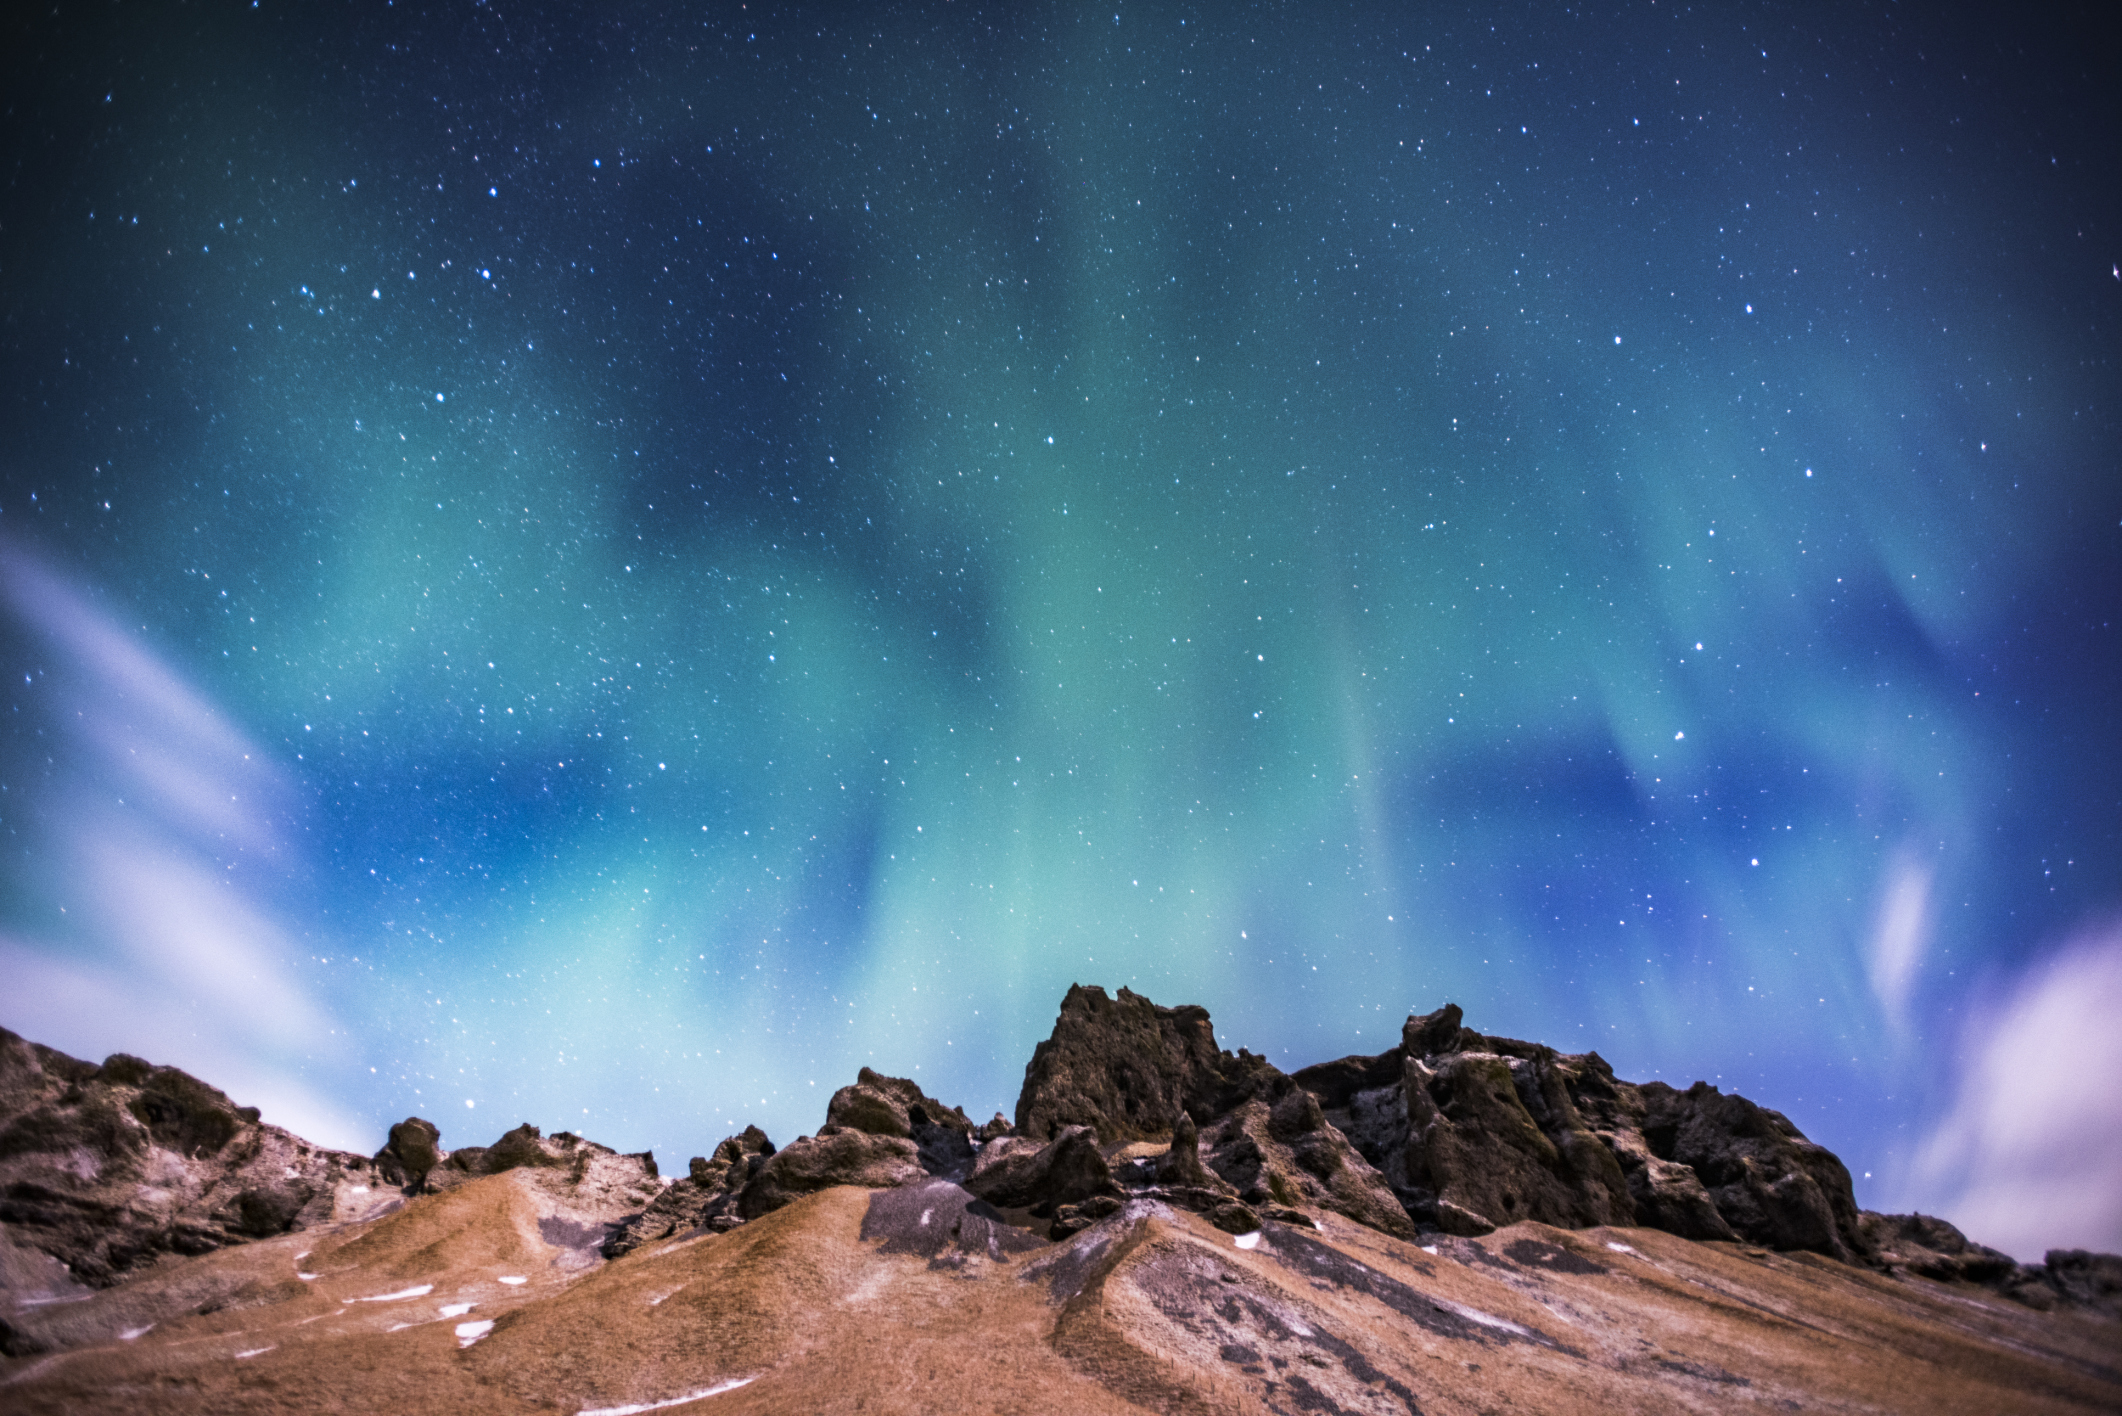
(421, 1292)
(716, 1390)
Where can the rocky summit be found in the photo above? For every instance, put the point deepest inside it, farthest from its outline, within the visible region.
(1463, 1223)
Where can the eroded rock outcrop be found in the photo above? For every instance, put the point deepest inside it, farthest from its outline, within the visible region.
(1484, 1131)
(1770, 1184)
(894, 1106)
(1126, 1067)
(837, 1155)
(106, 1168)
(1017, 1172)
(706, 1198)
(1130, 1070)
(1934, 1248)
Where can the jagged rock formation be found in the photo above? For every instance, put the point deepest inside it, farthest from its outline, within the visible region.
(705, 1199)
(1128, 1109)
(1126, 1067)
(1473, 1132)
(1463, 1133)
(1129, 1070)
(107, 1168)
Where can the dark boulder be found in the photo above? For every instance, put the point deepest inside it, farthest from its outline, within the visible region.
(1017, 1172)
(835, 1156)
(1075, 1218)
(1181, 1164)
(894, 1106)
(414, 1149)
(261, 1213)
(518, 1148)
(1434, 1034)
(1281, 1150)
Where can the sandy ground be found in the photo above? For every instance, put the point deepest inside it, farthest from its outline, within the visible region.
(920, 1300)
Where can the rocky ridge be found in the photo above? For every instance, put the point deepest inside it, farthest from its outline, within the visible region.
(1450, 1133)
(107, 1168)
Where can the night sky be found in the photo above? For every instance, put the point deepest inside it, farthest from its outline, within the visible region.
(609, 565)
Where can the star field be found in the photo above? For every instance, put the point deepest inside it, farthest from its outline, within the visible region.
(707, 550)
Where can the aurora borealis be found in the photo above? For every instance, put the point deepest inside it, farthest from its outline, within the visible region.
(704, 550)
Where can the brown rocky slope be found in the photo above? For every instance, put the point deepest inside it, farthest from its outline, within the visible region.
(1463, 1223)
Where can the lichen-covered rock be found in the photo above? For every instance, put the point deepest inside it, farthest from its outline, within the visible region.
(837, 1155)
(1126, 1067)
(1287, 1153)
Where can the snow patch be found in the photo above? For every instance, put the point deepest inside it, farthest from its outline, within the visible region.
(457, 1310)
(1619, 1248)
(1248, 1241)
(134, 1334)
(469, 1333)
(1475, 1315)
(513, 1280)
(255, 1351)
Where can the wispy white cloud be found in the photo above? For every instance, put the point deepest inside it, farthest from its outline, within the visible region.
(1900, 934)
(152, 926)
(2029, 1158)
